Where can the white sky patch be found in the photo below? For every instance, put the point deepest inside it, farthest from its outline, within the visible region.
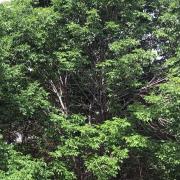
(18, 137)
(30, 69)
(156, 52)
(3, 1)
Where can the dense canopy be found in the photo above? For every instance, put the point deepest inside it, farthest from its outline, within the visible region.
(90, 89)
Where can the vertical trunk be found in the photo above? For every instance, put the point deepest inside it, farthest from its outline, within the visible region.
(59, 88)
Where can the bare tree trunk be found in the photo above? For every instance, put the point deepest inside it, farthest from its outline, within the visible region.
(59, 89)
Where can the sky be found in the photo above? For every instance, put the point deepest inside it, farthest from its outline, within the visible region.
(1, 1)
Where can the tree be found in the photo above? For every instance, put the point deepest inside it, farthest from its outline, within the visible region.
(91, 89)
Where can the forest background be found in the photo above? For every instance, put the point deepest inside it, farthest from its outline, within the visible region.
(90, 90)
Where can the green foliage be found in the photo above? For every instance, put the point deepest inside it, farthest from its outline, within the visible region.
(14, 165)
(103, 167)
(89, 89)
